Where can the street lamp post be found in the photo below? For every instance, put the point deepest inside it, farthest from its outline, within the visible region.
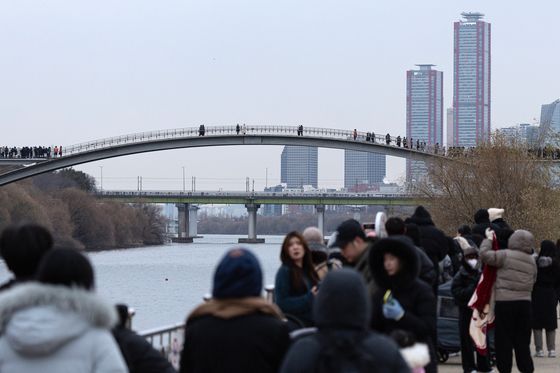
(183, 179)
(101, 181)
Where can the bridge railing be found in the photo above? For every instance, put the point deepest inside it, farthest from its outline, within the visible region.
(250, 194)
(178, 133)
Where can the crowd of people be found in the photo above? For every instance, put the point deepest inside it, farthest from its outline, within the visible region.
(365, 302)
(30, 152)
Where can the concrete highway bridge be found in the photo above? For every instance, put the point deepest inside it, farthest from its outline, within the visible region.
(213, 136)
(187, 202)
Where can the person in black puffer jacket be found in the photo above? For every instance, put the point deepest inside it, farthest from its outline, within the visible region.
(492, 218)
(434, 242)
(544, 299)
(463, 286)
(403, 301)
(343, 343)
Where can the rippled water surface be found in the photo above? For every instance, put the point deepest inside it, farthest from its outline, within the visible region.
(163, 283)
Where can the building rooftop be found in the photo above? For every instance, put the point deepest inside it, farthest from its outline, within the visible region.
(472, 16)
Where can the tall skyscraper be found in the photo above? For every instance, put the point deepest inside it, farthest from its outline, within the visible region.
(363, 168)
(299, 166)
(424, 112)
(550, 116)
(450, 128)
(471, 80)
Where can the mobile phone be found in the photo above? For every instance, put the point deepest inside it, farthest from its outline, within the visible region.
(368, 226)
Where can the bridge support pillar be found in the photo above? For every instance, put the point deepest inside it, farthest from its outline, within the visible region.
(193, 221)
(252, 209)
(320, 210)
(186, 223)
(357, 213)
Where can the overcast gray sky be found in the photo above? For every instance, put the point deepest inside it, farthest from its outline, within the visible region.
(73, 71)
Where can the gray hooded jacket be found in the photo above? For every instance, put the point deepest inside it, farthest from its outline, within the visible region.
(517, 270)
(45, 328)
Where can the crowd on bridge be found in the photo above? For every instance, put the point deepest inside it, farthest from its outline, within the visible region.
(365, 302)
(28, 152)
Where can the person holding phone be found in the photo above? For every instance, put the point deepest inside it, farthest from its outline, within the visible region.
(402, 301)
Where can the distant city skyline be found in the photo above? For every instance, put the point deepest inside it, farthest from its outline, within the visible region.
(78, 71)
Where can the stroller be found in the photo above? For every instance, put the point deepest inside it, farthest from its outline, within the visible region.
(448, 338)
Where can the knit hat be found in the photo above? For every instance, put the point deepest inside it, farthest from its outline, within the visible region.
(495, 213)
(467, 246)
(238, 275)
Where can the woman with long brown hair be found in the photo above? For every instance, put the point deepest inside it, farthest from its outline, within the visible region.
(296, 279)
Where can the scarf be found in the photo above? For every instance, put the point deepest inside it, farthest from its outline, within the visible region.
(482, 304)
(234, 307)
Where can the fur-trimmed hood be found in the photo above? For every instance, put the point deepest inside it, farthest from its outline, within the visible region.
(37, 319)
(402, 248)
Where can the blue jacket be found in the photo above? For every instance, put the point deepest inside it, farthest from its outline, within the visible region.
(291, 303)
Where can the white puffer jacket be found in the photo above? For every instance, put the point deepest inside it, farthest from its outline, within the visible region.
(46, 328)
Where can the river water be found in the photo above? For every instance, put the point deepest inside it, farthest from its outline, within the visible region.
(164, 283)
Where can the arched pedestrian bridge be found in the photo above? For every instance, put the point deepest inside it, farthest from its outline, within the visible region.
(213, 136)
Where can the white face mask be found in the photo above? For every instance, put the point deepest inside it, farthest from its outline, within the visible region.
(472, 262)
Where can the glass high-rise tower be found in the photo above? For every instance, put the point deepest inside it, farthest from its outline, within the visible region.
(471, 80)
(298, 166)
(424, 113)
(363, 168)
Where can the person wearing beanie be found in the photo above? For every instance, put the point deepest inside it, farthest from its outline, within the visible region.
(516, 275)
(403, 301)
(463, 286)
(433, 241)
(343, 341)
(237, 330)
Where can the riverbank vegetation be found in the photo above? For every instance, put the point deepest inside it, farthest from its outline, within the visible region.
(62, 203)
(502, 173)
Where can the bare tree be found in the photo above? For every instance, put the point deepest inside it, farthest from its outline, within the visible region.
(501, 173)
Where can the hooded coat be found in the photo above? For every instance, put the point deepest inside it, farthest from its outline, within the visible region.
(517, 270)
(433, 240)
(544, 297)
(342, 312)
(46, 328)
(416, 298)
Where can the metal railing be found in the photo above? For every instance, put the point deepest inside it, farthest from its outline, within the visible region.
(178, 133)
(251, 194)
(168, 340)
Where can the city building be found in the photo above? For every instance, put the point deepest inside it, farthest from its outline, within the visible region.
(272, 210)
(524, 132)
(299, 166)
(363, 168)
(424, 113)
(450, 129)
(471, 80)
(550, 120)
